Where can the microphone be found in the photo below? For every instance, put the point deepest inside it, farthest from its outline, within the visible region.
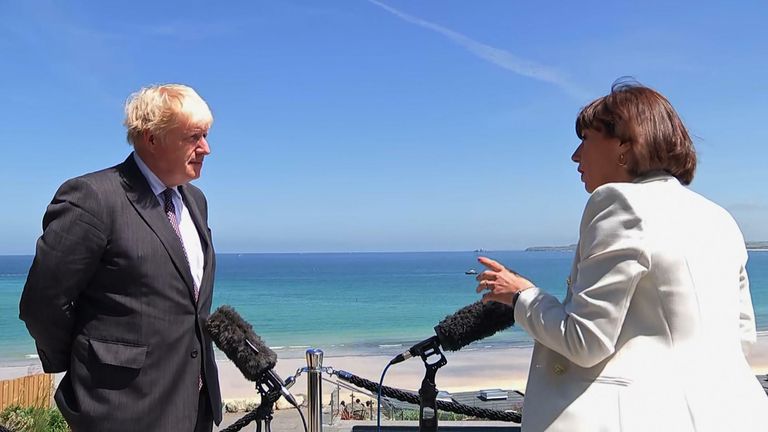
(247, 350)
(470, 323)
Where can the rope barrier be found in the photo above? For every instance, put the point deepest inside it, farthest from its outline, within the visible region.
(413, 398)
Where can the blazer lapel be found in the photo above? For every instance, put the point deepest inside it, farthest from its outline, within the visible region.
(146, 204)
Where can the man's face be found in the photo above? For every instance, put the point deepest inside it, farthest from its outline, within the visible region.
(177, 157)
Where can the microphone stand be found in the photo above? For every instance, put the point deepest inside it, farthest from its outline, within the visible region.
(428, 390)
(269, 395)
(265, 410)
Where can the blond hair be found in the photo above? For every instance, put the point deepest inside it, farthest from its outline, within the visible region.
(157, 108)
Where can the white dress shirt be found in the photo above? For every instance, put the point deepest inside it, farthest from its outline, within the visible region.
(190, 236)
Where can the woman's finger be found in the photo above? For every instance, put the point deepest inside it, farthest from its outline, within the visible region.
(486, 298)
(487, 275)
(485, 285)
(491, 264)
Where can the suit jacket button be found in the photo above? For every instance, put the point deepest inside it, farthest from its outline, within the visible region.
(558, 369)
(194, 354)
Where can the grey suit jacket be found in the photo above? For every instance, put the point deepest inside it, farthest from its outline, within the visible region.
(110, 300)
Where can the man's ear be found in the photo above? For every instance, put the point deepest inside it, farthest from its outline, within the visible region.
(150, 139)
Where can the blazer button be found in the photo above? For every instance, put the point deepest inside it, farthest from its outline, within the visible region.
(558, 369)
(194, 354)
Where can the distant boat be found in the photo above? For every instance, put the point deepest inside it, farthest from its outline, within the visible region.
(470, 272)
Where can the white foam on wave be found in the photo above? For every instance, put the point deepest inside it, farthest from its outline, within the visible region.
(297, 346)
(273, 348)
(390, 345)
(31, 356)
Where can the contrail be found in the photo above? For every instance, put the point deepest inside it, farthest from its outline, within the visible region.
(499, 57)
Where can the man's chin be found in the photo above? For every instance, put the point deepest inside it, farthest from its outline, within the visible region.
(194, 172)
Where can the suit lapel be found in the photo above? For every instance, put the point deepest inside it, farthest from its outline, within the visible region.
(148, 207)
(205, 240)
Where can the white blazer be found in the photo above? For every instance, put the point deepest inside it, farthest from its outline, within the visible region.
(650, 335)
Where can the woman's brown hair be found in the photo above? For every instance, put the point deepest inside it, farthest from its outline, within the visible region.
(644, 119)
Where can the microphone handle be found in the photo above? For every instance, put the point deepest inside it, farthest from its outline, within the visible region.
(416, 350)
(277, 382)
(275, 379)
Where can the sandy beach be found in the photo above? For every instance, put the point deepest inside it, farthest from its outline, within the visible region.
(466, 370)
(470, 370)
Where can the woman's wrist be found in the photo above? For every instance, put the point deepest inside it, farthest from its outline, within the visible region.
(517, 294)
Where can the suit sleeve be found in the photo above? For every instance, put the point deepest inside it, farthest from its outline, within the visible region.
(613, 259)
(747, 328)
(66, 258)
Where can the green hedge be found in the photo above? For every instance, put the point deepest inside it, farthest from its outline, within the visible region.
(31, 419)
(441, 415)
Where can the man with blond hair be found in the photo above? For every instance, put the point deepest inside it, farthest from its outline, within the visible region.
(122, 279)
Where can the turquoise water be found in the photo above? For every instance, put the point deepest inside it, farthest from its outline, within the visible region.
(349, 303)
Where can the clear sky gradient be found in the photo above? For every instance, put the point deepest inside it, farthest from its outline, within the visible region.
(392, 125)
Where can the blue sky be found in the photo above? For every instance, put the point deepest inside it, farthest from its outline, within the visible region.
(360, 125)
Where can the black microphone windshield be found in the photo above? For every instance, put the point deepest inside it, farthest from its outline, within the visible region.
(236, 338)
(473, 322)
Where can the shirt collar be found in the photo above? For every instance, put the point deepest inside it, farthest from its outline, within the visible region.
(155, 183)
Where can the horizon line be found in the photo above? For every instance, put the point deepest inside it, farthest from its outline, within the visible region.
(336, 252)
(763, 243)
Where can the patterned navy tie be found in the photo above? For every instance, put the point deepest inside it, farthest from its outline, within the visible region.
(170, 212)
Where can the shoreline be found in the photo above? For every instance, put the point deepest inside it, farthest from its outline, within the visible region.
(353, 350)
(504, 368)
(356, 350)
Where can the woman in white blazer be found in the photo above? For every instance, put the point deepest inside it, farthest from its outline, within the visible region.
(653, 330)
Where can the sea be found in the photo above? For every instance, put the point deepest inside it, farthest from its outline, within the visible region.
(350, 304)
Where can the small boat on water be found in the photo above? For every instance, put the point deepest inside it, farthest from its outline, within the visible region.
(470, 272)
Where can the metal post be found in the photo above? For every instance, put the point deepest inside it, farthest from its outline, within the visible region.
(315, 389)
